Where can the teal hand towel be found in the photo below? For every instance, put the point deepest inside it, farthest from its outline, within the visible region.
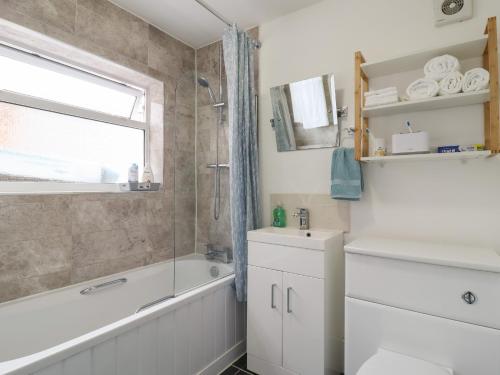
(346, 175)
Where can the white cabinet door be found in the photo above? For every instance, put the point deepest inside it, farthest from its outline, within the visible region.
(265, 314)
(303, 324)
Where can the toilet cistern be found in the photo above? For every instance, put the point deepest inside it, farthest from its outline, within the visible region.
(303, 215)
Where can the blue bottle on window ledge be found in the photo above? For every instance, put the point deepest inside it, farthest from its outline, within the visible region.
(133, 173)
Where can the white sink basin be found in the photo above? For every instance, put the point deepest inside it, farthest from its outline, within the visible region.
(316, 239)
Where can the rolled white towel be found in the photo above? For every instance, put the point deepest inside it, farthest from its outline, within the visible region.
(439, 67)
(422, 88)
(386, 91)
(476, 79)
(451, 84)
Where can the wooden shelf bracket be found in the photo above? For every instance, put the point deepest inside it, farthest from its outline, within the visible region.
(491, 108)
(360, 123)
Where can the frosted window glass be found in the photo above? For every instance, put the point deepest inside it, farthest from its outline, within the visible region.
(49, 146)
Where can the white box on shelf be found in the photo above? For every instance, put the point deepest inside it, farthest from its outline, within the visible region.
(410, 143)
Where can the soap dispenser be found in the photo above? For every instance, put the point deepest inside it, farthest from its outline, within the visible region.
(279, 216)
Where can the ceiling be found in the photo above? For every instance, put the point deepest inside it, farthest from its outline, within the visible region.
(190, 22)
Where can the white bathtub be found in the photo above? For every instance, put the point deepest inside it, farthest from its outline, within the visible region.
(63, 332)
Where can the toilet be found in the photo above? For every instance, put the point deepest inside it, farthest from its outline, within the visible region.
(385, 362)
(421, 308)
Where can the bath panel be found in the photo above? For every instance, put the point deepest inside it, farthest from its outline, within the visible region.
(200, 331)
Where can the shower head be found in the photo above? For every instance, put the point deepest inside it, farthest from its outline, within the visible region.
(203, 82)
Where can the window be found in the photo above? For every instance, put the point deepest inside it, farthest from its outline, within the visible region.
(50, 146)
(62, 123)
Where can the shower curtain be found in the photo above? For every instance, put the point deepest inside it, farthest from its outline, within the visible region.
(244, 172)
(283, 125)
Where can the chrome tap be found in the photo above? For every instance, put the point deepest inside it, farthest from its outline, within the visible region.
(219, 254)
(303, 215)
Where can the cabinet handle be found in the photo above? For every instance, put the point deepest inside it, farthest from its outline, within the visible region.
(288, 308)
(273, 306)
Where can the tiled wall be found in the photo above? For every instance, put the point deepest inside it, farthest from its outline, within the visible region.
(324, 212)
(51, 241)
(209, 230)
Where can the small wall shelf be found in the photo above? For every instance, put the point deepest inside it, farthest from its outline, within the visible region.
(417, 60)
(423, 157)
(430, 104)
(485, 47)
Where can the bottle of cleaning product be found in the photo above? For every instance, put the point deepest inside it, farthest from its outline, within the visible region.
(279, 216)
(147, 175)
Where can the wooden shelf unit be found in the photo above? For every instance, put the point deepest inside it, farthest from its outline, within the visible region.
(437, 102)
(432, 156)
(486, 46)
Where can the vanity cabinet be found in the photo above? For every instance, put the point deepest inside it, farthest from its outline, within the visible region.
(303, 324)
(265, 314)
(295, 307)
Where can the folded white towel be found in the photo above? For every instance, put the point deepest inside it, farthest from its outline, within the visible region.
(386, 91)
(439, 67)
(309, 103)
(373, 101)
(371, 97)
(451, 84)
(422, 88)
(476, 79)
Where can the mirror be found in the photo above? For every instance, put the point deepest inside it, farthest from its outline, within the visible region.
(305, 114)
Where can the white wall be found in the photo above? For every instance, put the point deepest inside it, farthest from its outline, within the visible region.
(446, 200)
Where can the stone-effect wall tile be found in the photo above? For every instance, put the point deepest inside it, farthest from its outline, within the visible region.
(110, 246)
(16, 288)
(93, 271)
(93, 216)
(109, 26)
(162, 255)
(57, 13)
(185, 211)
(34, 219)
(168, 55)
(161, 238)
(37, 257)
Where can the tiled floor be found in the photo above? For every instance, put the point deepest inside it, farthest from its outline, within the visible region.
(239, 367)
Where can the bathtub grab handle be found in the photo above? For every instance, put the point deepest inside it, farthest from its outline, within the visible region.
(95, 288)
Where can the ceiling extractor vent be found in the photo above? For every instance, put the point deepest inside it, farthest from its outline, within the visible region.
(450, 11)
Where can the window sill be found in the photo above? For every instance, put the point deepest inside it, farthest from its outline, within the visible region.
(37, 188)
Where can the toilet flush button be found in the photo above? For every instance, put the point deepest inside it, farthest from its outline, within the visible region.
(469, 298)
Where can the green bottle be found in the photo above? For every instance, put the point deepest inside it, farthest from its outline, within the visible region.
(279, 216)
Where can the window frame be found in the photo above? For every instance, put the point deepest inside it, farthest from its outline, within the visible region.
(41, 46)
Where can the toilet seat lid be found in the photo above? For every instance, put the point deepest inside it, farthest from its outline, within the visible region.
(390, 363)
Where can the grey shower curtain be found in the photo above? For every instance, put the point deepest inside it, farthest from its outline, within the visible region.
(243, 151)
(283, 125)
